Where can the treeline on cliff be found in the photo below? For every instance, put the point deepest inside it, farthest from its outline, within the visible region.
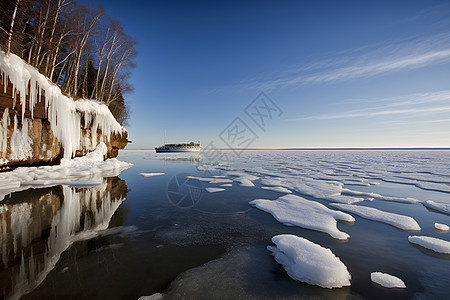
(79, 48)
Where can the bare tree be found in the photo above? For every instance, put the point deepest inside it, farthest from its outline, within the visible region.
(73, 46)
(11, 27)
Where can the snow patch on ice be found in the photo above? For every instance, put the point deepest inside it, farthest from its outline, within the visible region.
(296, 211)
(243, 178)
(441, 227)
(210, 179)
(379, 197)
(431, 243)
(279, 189)
(442, 207)
(151, 174)
(214, 190)
(156, 296)
(327, 190)
(308, 262)
(396, 220)
(386, 280)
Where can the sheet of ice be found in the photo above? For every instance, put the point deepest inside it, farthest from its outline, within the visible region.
(308, 262)
(327, 190)
(442, 207)
(380, 197)
(294, 210)
(441, 227)
(386, 280)
(210, 179)
(226, 184)
(214, 190)
(64, 114)
(86, 170)
(431, 243)
(396, 220)
(151, 174)
(279, 189)
(243, 178)
(433, 186)
(156, 296)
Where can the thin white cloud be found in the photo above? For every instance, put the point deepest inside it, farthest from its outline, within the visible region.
(408, 122)
(377, 67)
(364, 62)
(367, 114)
(416, 98)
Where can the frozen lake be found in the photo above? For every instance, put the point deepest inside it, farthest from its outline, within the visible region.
(183, 226)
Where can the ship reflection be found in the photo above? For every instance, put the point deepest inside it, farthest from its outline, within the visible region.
(37, 225)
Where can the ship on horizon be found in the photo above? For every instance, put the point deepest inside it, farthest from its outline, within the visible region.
(191, 147)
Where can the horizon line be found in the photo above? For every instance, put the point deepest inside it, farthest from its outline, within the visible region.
(320, 148)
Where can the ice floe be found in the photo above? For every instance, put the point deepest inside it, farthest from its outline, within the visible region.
(442, 207)
(327, 190)
(156, 296)
(396, 220)
(308, 262)
(243, 178)
(296, 211)
(441, 227)
(210, 179)
(214, 190)
(386, 280)
(373, 196)
(151, 174)
(80, 171)
(279, 189)
(435, 244)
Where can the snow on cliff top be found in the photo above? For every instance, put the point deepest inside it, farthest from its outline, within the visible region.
(64, 114)
(308, 262)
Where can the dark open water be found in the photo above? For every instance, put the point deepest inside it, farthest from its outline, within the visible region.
(135, 235)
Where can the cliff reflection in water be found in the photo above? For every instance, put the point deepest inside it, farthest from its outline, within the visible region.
(37, 225)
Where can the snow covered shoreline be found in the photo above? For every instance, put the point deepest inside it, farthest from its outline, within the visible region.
(88, 170)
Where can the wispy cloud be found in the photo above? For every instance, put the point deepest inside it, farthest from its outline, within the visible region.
(407, 105)
(366, 113)
(408, 122)
(416, 98)
(364, 62)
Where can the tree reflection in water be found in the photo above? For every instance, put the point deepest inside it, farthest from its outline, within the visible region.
(37, 225)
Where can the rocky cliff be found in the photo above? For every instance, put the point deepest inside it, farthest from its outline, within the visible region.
(40, 125)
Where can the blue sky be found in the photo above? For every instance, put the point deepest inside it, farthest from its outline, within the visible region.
(343, 73)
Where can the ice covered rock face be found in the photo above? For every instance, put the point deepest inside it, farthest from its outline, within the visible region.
(308, 262)
(40, 124)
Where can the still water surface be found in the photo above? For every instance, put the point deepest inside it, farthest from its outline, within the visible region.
(133, 235)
